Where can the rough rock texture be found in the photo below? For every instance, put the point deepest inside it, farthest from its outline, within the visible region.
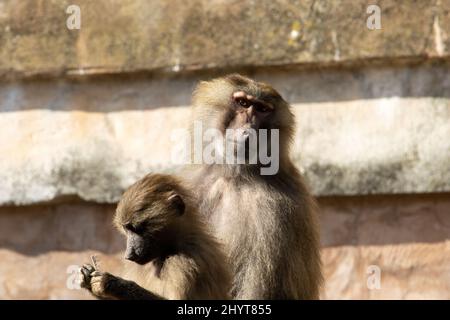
(54, 241)
(175, 35)
(407, 237)
(83, 113)
(386, 131)
(408, 271)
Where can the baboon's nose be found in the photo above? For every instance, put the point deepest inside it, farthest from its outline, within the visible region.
(130, 255)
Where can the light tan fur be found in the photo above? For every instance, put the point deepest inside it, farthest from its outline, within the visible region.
(184, 260)
(268, 224)
(201, 273)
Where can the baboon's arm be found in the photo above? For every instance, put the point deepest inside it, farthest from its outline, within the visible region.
(104, 285)
(122, 289)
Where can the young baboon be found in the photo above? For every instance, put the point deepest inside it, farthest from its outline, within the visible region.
(267, 222)
(172, 254)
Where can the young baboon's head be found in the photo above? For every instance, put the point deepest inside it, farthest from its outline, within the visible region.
(148, 213)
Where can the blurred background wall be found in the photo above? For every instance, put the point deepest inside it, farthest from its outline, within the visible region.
(85, 112)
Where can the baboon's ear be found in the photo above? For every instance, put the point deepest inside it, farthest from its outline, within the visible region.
(177, 202)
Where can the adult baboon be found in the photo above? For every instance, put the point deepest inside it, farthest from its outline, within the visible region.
(267, 222)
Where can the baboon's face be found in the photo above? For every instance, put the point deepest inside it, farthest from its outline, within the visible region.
(146, 215)
(140, 248)
(239, 103)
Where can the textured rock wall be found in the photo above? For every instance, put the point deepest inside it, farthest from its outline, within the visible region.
(359, 131)
(83, 113)
(135, 35)
(405, 236)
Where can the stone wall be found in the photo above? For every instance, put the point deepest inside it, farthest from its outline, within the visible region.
(406, 236)
(83, 113)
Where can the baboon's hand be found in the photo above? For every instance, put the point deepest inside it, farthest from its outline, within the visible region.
(95, 281)
(106, 286)
(85, 276)
(101, 283)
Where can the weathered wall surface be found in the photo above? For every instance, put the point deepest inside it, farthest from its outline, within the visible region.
(405, 236)
(135, 35)
(364, 131)
(83, 113)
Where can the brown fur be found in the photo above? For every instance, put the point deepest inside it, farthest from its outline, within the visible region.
(267, 223)
(189, 263)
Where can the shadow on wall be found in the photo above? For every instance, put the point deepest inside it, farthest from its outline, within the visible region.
(33, 230)
(367, 220)
(141, 91)
(385, 219)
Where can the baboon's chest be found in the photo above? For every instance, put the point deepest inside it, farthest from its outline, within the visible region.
(230, 208)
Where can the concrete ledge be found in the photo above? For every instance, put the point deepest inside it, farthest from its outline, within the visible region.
(172, 36)
(92, 139)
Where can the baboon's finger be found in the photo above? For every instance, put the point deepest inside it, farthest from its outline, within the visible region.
(86, 272)
(89, 267)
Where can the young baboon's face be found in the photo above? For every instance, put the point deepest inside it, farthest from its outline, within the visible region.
(146, 215)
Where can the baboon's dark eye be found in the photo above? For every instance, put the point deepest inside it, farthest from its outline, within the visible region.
(261, 107)
(140, 228)
(135, 228)
(243, 102)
